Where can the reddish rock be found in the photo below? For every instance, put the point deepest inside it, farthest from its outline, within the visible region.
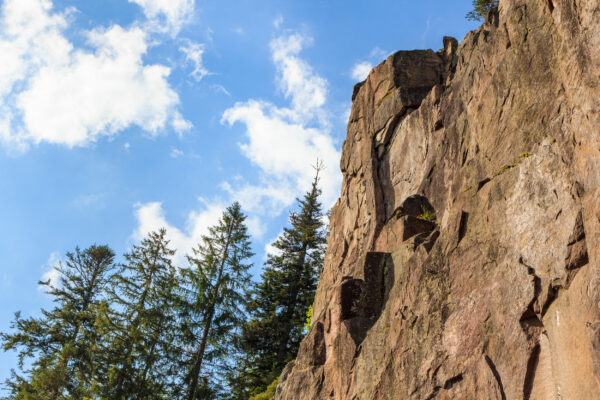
(463, 256)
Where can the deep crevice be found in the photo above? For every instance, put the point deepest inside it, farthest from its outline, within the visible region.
(532, 365)
(550, 6)
(552, 294)
(361, 301)
(453, 381)
(434, 393)
(482, 183)
(492, 366)
(530, 318)
(447, 386)
(462, 226)
(577, 251)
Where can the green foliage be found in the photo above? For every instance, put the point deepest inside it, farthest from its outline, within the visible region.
(427, 215)
(64, 343)
(146, 329)
(212, 295)
(481, 8)
(277, 310)
(139, 339)
(308, 321)
(268, 393)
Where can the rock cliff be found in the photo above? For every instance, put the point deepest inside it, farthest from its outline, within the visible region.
(463, 258)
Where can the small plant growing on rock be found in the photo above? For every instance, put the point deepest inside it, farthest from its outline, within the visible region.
(481, 8)
(426, 215)
(269, 393)
(309, 314)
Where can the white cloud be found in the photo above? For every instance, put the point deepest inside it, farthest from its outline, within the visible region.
(220, 89)
(256, 227)
(378, 53)
(296, 79)
(167, 15)
(193, 54)
(52, 92)
(176, 153)
(361, 70)
(278, 21)
(267, 198)
(151, 217)
(51, 272)
(270, 249)
(285, 152)
(284, 142)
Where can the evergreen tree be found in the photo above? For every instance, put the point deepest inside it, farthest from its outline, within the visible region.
(481, 8)
(63, 344)
(139, 357)
(211, 302)
(272, 336)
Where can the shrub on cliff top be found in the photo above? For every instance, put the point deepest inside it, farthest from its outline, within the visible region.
(481, 8)
(267, 394)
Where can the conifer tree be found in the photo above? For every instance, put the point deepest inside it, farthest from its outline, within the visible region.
(481, 8)
(63, 343)
(142, 324)
(272, 336)
(212, 300)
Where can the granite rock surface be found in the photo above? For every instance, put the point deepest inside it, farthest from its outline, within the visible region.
(464, 253)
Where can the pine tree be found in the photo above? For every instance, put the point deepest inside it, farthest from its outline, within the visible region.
(272, 336)
(481, 8)
(142, 324)
(63, 343)
(212, 299)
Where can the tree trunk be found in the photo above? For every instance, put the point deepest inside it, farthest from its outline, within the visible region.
(129, 345)
(72, 340)
(195, 372)
(293, 299)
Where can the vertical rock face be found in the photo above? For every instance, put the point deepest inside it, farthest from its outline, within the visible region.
(463, 259)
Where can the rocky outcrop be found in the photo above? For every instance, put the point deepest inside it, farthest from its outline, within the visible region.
(463, 258)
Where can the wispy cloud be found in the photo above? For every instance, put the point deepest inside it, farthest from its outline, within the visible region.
(175, 153)
(193, 54)
(425, 32)
(285, 141)
(278, 22)
(239, 30)
(361, 70)
(378, 53)
(220, 89)
(85, 201)
(167, 15)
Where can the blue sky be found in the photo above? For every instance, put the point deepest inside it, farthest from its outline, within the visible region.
(118, 117)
